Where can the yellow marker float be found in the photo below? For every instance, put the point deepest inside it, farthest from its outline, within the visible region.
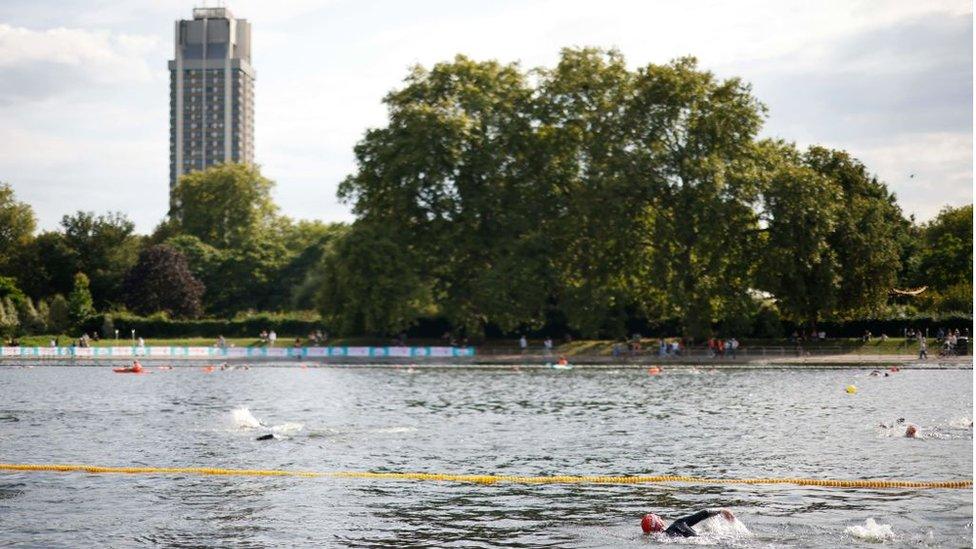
(483, 479)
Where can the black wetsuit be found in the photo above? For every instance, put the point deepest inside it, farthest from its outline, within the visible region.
(683, 526)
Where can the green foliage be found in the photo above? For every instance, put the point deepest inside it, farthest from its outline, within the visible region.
(588, 197)
(161, 282)
(589, 188)
(867, 234)
(9, 321)
(104, 247)
(59, 314)
(46, 265)
(31, 320)
(80, 307)
(225, 206)
(9, 289)
(370, 283)
(161, 326)
(944, 261)
(801, 209)
(16, 226)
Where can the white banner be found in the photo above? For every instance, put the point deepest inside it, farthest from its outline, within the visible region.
(357, 351)
(398, 351)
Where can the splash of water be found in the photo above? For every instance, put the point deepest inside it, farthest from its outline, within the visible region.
(244, 419)
(721, 527)
(871, 531)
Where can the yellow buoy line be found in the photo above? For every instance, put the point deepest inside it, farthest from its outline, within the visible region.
(484, 479)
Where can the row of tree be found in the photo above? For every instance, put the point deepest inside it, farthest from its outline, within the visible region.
(225, 252)
(590, 194)
(586, 196)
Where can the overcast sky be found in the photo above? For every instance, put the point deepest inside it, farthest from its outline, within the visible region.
(84, 88)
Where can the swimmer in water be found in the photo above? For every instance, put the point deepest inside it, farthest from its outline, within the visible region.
(911, 432)
(683, 527)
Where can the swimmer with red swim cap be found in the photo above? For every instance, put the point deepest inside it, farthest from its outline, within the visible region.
(652, 523)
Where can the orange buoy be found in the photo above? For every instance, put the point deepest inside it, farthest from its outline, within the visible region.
(208, 369)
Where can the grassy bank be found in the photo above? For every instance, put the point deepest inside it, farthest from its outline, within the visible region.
(876, 346)
(892, 346)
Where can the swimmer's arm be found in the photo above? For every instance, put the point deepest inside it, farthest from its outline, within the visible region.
(692, 520)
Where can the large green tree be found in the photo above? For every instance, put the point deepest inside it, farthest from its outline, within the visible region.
(801, 210)
(945, 260)
(451, 174)
(695, 149)
(225, 206)
(17, 225)
(161, 281)
(104, 247)
(370, 282)
(868, 234)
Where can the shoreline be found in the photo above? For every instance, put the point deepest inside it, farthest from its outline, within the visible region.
(505, 362)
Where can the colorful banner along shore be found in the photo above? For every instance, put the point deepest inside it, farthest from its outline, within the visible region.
(235, 352)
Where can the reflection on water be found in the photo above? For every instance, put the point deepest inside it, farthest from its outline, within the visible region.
(731, 423)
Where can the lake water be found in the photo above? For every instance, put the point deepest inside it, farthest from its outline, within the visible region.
(734, 423)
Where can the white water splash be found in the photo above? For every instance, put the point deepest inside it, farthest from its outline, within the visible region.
(711, 531)
(393, 430)
(871, 531)
(287, 428)
(721, 527)
(961, 423)
(244, 419)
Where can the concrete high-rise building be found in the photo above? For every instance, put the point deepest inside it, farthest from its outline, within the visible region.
(211, 97)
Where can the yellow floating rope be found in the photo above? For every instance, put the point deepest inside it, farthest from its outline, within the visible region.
(486, 479)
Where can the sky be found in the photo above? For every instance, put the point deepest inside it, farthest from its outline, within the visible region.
(84, 85)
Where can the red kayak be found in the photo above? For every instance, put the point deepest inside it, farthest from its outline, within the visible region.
(129, 371)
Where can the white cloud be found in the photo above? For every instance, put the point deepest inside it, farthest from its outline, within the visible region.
(105, 56)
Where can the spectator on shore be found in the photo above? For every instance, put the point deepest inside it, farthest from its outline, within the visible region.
(523, 343)
(264, 336)
(922, 349)
(272, 338)
(734, 346)
(298, 343)
(141, 342)
(548, 345)
(53, 344)
(615, 351)
(221, 342)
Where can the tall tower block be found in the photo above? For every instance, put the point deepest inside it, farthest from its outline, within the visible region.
(211, 93)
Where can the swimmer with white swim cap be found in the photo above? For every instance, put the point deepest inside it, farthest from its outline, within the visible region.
(652, 523)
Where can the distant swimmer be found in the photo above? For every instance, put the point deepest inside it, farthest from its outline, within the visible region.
(683, 527)
(911, 432)
(268, 436)
(136, 368)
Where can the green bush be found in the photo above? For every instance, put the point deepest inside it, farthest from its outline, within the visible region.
(160, 326)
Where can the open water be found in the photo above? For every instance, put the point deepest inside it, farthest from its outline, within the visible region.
(734, 423)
